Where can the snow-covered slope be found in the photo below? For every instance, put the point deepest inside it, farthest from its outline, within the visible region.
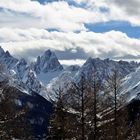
(20, 68)
(46, 73)
(46, 67)
(106, 66)
(6, 59)
(131, 85)
(61, 82)
(34, 76)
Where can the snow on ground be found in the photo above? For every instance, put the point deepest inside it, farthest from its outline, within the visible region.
(131, 85)
(45, 78)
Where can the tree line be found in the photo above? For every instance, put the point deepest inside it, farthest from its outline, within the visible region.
(92, 109)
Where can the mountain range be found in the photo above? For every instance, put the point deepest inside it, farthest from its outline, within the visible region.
(34, 83)
(46, 73)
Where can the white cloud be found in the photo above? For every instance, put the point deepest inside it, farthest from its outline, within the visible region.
(79, 62)
(65, 17)
(32, 42)
(59, 15)
(117, 9)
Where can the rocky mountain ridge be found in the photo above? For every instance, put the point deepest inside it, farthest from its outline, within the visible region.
(46, 73)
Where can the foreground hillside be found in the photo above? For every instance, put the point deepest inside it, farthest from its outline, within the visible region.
(22, 116)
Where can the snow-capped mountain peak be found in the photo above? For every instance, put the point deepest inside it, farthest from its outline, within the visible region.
(46, 72)
(7, 59)
(47, 62)
(1, 51)
(105, 67)
(8, 54)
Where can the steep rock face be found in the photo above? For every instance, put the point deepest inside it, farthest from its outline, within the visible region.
(21, 67)
(105, 67)
(73, 68)
(31, 81)
(1, 51)
(34, 76)
(6, 59)
(42, 71)
(47, 62)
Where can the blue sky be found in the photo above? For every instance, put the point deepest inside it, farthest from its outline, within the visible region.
(74, 29)
(43, 1)
(125, 27)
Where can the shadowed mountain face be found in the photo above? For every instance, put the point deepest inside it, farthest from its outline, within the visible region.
(134, 110)
(39, 109)
(39, 113)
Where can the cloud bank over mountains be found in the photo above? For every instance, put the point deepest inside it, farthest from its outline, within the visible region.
(27, 28)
